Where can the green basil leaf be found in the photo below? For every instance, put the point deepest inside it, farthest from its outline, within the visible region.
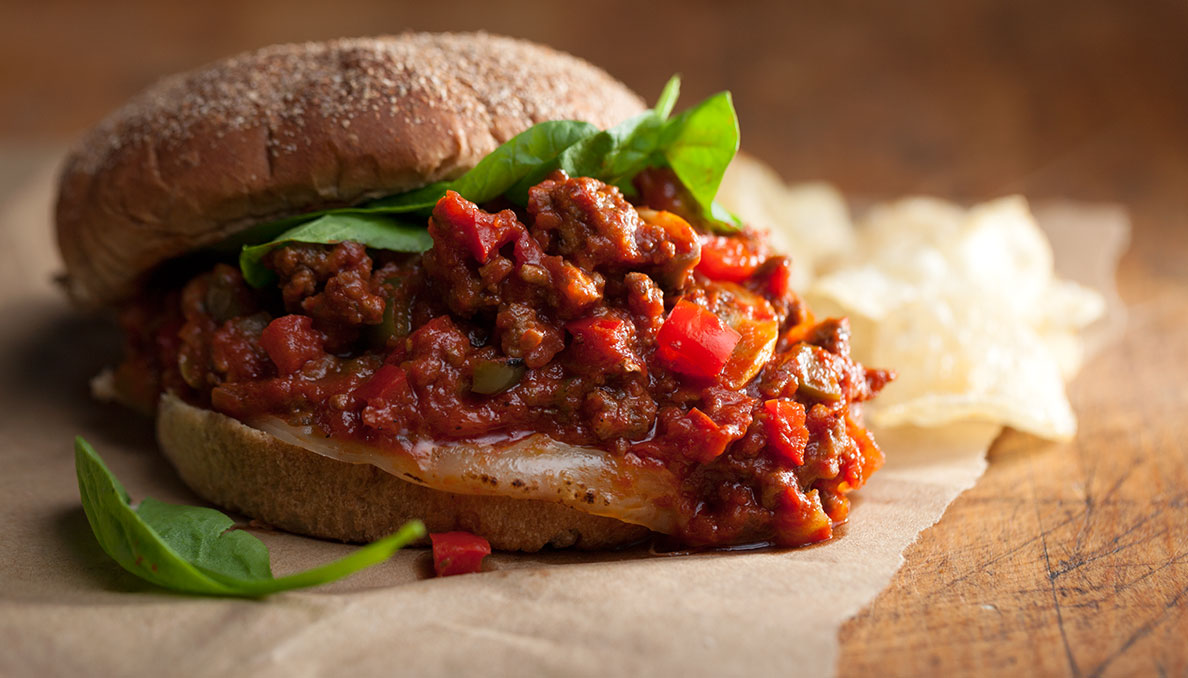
(699, 144)
(373, 230)
(509, 163)
(124, 536)
(500, 170)
(610, 155)
(193, 549)
(614, 155)
(203, 537)
(624, 151)
(420, 200)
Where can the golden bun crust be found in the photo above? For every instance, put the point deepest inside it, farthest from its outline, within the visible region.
(202, 155)
(246, 470)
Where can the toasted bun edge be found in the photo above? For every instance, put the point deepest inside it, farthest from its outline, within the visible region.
(249, 471)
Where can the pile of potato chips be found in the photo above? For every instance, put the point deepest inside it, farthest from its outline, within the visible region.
(962, 303)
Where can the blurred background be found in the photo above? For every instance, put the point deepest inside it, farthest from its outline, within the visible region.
(964, 99)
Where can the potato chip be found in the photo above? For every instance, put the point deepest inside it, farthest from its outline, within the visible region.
(1066, 348)
(1066, 304)
(965, 306)
(959, 360)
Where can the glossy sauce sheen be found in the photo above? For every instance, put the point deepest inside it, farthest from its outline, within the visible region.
(600, 323)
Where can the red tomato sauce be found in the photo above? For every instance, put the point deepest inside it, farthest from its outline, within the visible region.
(584, 316)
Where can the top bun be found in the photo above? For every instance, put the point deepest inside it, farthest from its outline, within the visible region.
(287, 129)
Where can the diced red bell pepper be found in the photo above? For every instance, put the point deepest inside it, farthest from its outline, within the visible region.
(388, 381)
(527, 250)
(779, 279)
(291, 341)
(694, 341)
(786, 432)
(727, 258)
(387, 400)
(602, 341)
(709, 441)
(458, 553)
(480, 232)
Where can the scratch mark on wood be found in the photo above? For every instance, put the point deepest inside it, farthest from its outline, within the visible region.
(1112, 547)
(1072, 662)
(1174, 560)
(1039, 520)
(1141, 633)
(980, 568)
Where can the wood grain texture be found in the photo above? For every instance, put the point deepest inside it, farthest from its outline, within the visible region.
(1064, 559)
(1067, 559)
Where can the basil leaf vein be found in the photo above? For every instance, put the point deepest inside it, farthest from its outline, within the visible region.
(192, 549)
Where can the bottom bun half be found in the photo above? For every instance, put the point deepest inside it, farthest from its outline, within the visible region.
(249, 471)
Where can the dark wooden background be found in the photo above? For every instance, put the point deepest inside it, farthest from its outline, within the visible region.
(1066, 559)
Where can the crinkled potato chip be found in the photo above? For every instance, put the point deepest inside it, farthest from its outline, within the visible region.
(959, 360)
(965, 306)
(963, 303)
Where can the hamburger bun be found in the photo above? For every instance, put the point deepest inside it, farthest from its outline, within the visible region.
(204, 155)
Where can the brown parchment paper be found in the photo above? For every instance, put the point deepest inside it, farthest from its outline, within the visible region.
(66, 609)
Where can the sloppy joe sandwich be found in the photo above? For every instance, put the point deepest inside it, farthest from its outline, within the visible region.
(465, 279)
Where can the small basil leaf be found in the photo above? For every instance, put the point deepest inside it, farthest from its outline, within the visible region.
(125, 537)
(627, 152)
(193, 550)
(375, 231)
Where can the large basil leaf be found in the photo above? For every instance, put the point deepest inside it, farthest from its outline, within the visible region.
(193, 549)
(700, 143)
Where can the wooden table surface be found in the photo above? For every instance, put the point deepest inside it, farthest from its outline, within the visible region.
(1065, 559)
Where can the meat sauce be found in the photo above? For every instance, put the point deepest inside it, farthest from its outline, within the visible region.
(626, 327)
